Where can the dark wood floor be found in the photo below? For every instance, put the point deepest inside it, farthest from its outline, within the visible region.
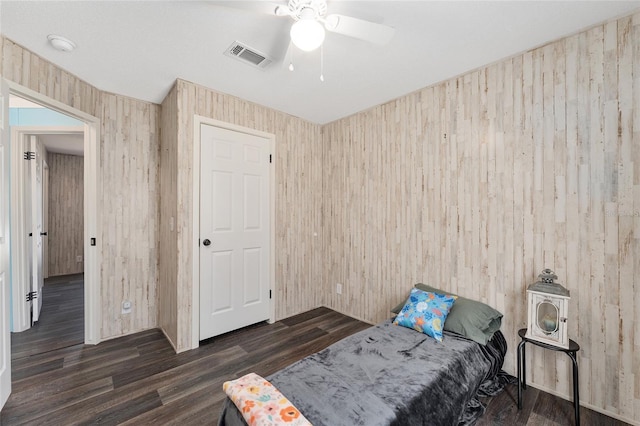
(61, 322)
(138, 379)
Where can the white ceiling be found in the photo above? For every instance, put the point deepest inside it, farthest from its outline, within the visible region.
(70, 143)
(139, 48)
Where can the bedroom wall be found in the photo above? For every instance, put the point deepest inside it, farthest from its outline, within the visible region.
(129, 209)
(298, 186)
(66, 213)
(131, 204)
(168, 254)
(476, 184)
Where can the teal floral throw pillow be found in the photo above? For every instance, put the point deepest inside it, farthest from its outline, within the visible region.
(425, 312)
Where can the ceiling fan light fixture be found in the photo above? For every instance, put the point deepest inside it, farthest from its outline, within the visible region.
(307, 34)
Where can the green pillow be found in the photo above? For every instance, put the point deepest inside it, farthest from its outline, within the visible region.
(470, 318)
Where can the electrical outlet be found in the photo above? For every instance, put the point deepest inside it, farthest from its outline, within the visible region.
(339, 288)
(126, 307)
(79, 258)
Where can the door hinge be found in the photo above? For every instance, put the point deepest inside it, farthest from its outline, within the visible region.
(269, 294)
(32, 295)
(270, 158)
(29, 155)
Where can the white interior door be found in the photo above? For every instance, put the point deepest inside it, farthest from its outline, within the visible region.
(21, 267)
(5, 334)
(27, 235)
(234, 230)
(37, 224)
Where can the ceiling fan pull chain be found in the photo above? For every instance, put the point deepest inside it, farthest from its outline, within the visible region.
(290, 50)
(321, 63)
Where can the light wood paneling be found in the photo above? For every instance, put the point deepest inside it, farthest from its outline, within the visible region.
(298, 196)
(66, 214)
(476, 184)
(129, 145)
(29, 70)
(131, 202)
(168, 250)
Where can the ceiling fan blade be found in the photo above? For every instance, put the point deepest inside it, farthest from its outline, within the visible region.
(282, 10)
(266, 7)
(358, 28)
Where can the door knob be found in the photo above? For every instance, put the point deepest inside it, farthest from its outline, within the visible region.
(206, 242)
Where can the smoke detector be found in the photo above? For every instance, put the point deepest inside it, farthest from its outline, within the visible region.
(60, 43)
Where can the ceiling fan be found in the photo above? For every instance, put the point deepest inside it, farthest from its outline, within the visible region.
(308, 32)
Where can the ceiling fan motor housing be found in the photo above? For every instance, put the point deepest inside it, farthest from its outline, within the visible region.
(301, 8)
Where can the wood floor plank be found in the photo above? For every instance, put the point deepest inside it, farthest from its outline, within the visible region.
(180, 411)
(287, 336)
(139, 379)
(18, 374)
(178, 366)
(61, 400)
(562, 412)
(113, 415)
(75, 375)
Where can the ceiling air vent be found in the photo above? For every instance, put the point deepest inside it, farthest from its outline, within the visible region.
(247, 54)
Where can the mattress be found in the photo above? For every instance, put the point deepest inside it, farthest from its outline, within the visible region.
(390, 375)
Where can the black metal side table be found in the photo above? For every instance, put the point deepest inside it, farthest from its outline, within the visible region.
(522, 364)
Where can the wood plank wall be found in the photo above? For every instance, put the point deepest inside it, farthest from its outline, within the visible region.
(476, 184)
(66, 213)
(130, 157)
(168, 250)
(298, 199)
(129, 145)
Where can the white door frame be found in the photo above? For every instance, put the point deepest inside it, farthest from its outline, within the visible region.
(5, 250)
(195, 305)
(45, 222)
(92, 222)
(18, 262)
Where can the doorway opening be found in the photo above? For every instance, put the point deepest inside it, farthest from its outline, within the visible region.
(47, 218)
(66, 238)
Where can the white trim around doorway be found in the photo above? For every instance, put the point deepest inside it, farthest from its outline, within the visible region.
(92, 222)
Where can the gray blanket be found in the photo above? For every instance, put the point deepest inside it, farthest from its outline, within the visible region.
(389, 375)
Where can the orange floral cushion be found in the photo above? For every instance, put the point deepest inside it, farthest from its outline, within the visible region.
(261, 404)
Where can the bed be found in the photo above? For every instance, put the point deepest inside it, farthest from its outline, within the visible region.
(391, 375)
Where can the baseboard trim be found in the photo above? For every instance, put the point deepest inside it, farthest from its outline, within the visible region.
(166, 336)
(346, 314)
